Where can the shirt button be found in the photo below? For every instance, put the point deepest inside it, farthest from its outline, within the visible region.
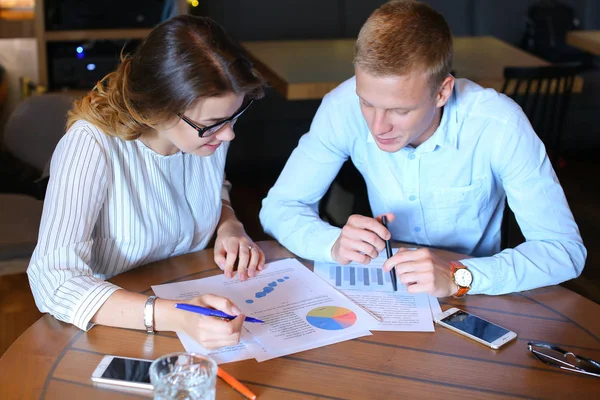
(412, 198)
(411, 156)
(417, 229)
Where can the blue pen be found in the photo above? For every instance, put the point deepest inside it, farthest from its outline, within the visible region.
(211, 312)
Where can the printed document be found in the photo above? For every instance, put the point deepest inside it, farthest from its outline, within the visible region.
(371, 287)
(300, 311)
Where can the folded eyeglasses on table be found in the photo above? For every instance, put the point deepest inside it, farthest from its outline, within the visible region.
(563, 359)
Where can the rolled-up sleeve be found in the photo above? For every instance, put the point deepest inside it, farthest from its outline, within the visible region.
(62, 281)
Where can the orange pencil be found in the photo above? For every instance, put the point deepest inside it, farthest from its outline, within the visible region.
(234, 383)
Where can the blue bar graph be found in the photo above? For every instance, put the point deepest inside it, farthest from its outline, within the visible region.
(387, 278)
(363, 278)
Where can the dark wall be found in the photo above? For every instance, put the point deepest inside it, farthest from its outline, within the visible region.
(277, 19)
(323, 19)
(506, 19)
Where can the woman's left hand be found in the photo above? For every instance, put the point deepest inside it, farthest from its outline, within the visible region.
(234, 244)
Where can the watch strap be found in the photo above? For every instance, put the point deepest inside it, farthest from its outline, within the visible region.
(462, 290)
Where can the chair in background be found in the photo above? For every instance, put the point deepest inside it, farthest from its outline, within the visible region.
(346, 196)
(544, 94)
(35, 127)
(30, 136)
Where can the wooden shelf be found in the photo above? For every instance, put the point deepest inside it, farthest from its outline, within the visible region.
(16, 15)
(96, 34)
(44, 37)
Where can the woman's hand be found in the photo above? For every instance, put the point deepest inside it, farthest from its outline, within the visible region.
(234, 244)
(210, 332)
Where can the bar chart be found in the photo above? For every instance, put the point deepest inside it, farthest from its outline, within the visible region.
(359, 278)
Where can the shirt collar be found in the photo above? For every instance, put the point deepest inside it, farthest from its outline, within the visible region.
(370, 138)
(446, 135)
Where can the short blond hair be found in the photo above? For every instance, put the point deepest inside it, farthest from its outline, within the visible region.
(403, 36)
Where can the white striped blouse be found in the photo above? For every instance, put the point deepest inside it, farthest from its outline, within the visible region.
(111, 206)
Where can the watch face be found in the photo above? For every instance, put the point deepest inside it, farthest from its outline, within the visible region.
(463, 277)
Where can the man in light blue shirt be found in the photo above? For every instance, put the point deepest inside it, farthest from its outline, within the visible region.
(439, 156)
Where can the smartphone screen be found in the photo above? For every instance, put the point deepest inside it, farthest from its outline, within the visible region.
(475, 326)
(128, 370)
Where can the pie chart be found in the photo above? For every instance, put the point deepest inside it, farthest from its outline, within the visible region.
(331, 318)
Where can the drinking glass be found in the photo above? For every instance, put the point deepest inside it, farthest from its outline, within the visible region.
(183, 376)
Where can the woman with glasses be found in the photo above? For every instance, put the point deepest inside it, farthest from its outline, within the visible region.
(139, 177)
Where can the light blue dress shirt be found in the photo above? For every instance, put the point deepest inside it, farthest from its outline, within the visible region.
(449, 192)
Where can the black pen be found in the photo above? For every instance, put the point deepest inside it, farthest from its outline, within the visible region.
(388, 250)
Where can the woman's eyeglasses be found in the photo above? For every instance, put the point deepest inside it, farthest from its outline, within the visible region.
(557, 357)
(214, 128)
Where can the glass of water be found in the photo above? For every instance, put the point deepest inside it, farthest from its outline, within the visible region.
(184, 376)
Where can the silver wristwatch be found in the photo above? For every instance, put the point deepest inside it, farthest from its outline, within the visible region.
(149, 314)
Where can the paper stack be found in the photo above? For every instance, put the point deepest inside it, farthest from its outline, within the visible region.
(371, 287)
(300, 311)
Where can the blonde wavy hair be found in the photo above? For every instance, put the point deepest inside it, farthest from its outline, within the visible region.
(182, 60)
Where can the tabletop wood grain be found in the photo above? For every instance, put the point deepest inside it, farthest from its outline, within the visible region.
(309, 69)
(53, 360)
(585, 40)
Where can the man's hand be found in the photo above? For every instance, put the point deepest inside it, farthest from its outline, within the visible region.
(422, 271)
(361, 240)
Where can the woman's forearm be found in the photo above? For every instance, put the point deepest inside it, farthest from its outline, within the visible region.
(228, 218)
(125, 309)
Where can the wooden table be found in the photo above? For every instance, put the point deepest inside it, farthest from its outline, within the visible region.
(585, 40)
(309, 69)
(53, 360)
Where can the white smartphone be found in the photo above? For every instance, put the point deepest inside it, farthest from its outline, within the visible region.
(476, 328)
(127, 372)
